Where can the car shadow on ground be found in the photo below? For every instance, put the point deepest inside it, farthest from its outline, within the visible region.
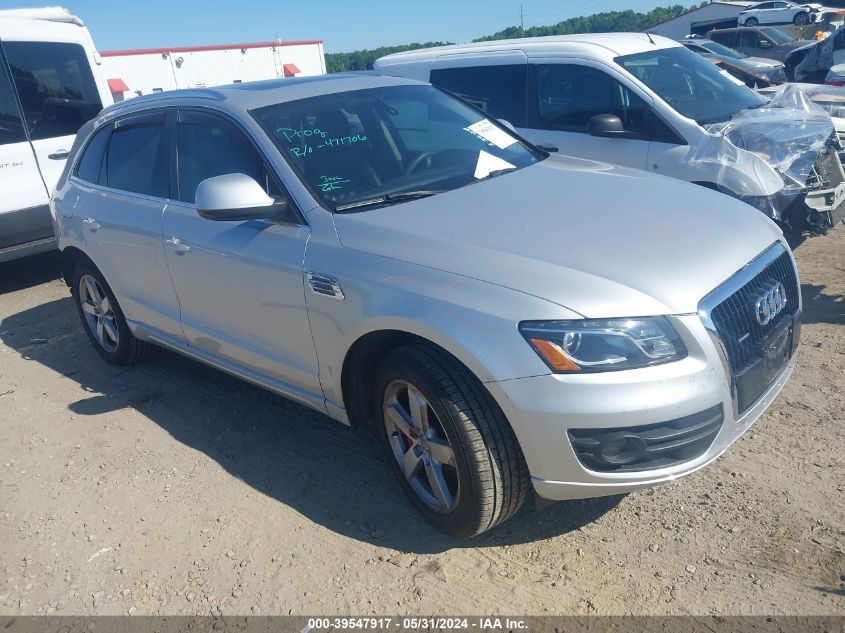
(819, 307)
(329, 473)
(29, 271)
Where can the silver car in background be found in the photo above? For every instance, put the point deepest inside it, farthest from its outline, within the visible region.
(379, 251)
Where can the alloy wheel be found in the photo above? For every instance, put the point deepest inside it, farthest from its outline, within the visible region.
(99, 313)
(420, 446)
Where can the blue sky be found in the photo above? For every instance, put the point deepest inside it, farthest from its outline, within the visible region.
(344, 25)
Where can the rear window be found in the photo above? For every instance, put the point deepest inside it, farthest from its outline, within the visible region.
(55, 85)
(137, 159)
(91, 163)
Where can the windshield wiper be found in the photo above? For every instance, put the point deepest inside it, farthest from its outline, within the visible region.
(496, 172)
(389, 198)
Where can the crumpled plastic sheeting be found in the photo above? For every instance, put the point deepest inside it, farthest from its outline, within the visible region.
(789, 134)
(831, 99)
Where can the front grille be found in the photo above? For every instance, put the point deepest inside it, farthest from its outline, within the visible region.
(757, 352)
(647, 447)
(829, 169)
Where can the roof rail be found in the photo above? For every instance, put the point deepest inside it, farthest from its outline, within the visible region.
(190, 93)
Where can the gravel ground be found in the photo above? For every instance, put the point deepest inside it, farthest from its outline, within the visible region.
(171, 488)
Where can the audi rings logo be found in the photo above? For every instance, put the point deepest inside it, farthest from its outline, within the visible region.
(770, 303)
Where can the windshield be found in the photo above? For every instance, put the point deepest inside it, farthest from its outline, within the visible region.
(379, 146)
(690, 84)
(777, 35)
(724, 51)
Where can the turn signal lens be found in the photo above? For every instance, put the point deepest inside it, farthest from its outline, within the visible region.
(553, 355)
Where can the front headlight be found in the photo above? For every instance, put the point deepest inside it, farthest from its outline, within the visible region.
(604, 344)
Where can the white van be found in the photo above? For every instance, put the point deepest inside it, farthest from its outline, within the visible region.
(49, 86)
(648, 102)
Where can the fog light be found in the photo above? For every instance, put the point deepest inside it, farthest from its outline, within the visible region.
(622, 449)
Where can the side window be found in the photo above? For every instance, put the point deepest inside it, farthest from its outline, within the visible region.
(753, 39)
(137, 157)
(497, 90)
(11, 126)
(731, 40)
(568, 96)
(210, 146)
(90, 165)
(55, 86)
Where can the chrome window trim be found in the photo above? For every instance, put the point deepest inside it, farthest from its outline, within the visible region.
(131, 194)
(727, 289)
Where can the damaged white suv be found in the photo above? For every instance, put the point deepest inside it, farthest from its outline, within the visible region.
(648, 102)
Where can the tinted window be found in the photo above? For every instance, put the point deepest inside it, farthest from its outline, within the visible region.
(211, 146)
(570, 95)
(11, 127)
(137, 157)
(730, 38)
(91, 163)
(777, 35)
(55, 85)
(497, 90)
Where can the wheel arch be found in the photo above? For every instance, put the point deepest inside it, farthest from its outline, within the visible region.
(357, 372)
(69, 257)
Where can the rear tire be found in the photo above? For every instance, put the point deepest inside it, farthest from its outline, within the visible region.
(102, 318)
(751, 22)
(801, 19)
(465, 469)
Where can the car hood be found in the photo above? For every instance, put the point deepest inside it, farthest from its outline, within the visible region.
(598, 239)
(759, 62)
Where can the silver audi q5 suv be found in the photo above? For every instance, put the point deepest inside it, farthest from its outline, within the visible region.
(380, 251)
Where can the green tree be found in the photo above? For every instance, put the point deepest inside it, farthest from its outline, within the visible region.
(609, 21)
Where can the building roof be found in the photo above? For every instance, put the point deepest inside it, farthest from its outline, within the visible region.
(212, 47)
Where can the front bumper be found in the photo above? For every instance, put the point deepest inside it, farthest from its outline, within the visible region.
(542, 409)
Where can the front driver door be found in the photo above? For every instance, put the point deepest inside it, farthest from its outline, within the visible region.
(240, 284)
(563, 97)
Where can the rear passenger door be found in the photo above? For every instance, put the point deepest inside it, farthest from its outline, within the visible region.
(240, 284)
(57, 93)
(565, 95)
(123, 183)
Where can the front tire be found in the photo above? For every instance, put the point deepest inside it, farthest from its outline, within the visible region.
(102, 318)
(801, 19)
(447, 441)
(751, 22)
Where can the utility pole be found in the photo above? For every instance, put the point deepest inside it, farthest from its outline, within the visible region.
(521, 22)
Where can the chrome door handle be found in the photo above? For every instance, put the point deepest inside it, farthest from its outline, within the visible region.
(91, 223)
(59, 155)
(177, 246)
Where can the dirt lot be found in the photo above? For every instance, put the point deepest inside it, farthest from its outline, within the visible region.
(171, 488)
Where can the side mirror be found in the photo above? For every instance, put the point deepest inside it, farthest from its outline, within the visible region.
(234, 197)
(608, 125)
(764, 44)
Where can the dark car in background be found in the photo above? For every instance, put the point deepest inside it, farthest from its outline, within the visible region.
(761, 41)
(748, 69)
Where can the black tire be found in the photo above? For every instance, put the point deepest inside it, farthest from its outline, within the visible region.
(801, 19)
(128, 349)
(491, 475)
(751, 22)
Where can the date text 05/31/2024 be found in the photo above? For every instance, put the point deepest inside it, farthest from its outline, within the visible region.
(416, 623)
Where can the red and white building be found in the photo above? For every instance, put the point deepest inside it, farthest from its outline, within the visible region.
(132, 73)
